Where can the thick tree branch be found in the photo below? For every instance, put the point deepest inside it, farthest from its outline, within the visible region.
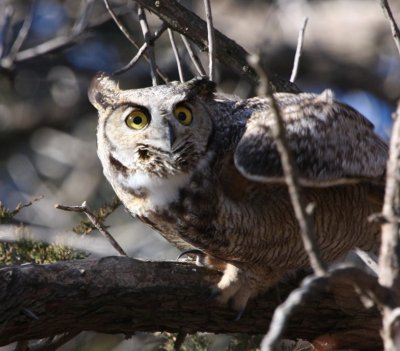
(124, 295)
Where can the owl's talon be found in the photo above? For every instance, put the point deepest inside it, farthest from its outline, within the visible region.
(191, 251)
(238, 286)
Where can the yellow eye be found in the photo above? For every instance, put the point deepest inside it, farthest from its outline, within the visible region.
(183, 115)
(137, 120)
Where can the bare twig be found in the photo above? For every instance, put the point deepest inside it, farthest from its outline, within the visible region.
(148, 39)
(132, 62)
(229, 53)
(389, 261)
(128, 35)
(100, 227)
(82, 21)
(210, 39)
(291, 175)
(193, 56)
(5, 30)
(27, 204)
(176, 53)
(393, 26)
(365, 285)
(141, 51)
(120, 25)
(389, 265)
(51, 45)
(282, 313)
(23, 32)
(299, 48)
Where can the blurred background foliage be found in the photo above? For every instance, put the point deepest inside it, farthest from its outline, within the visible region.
(47, 126)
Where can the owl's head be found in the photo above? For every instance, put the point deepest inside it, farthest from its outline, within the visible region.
(161, 131)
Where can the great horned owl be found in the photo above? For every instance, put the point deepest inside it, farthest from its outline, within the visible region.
(203, 170)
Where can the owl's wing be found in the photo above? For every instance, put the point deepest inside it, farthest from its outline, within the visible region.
(331, 142)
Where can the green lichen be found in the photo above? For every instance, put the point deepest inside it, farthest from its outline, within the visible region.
(29, 251)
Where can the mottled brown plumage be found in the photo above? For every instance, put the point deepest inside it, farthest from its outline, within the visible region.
(214, 181)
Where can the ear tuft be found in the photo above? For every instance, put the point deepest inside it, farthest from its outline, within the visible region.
(102, 91)
(202, 86)
(326, 96)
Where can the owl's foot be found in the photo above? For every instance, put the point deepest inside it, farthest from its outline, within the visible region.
(203, 259)
(238, 285)
(199, 254)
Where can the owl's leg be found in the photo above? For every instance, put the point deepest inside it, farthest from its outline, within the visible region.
(238, 285)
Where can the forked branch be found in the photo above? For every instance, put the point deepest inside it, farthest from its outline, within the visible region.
(100, 227)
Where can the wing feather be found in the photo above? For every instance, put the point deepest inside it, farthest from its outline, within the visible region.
(331, 142)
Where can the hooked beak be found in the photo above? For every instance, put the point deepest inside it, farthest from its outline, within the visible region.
(170, 134)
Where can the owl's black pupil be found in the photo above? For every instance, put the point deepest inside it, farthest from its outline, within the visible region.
(137, 120)
(181, 116)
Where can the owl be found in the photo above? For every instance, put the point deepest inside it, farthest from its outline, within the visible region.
(202, 169)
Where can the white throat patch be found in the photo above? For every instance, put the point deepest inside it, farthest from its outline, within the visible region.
(161, 191)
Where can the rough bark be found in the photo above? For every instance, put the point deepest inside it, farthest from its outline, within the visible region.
(124, 295)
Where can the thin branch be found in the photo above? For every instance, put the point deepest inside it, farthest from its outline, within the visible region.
(51, 45)
(82, 21)
(229, 53)
(23, 32)
(100, 227)
(389, 265)
(132, 62)
(128, 35)
(21, 206)
(193, 56)
(120, 25)
(393, 26)
(210, 39)
(389, 260)
(365, 285)
(299, 48)
(5, 30)
(283, 312)
(296, 193)
(176, 54)
(148, 39)
(141, 51)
